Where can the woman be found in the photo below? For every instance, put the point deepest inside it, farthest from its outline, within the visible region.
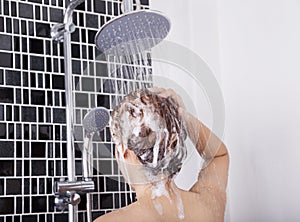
(149, 128)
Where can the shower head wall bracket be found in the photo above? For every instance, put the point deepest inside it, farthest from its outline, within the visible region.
(58, 30)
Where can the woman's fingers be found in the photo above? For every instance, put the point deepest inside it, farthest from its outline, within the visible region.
(156, 90)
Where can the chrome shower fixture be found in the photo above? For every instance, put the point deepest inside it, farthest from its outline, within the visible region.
(132, 32)
(94, 121)
(58, 30)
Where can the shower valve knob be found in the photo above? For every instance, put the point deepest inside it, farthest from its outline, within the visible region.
(61, 201)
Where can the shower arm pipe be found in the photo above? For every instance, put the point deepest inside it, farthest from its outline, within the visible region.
(68, 21)
(68, 17)
(128, 5)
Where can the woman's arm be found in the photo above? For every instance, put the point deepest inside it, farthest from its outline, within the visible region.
(214, 173)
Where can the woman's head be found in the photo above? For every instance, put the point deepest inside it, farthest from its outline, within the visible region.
(150, 126)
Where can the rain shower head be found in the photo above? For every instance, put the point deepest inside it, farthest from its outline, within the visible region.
(96, 120)
(132, 33)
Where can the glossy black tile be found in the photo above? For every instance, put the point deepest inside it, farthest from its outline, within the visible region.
(92, 21)
(1, 24)
(6, 95)
(38, 149)
(6, 168)
(16, 26)
(1, 112)
(41, 186)
(36, 46)
(45, 13)
(9, 219)
(61, 217)
(40, 81)
(6, 59)
(76, 66)
(112, 184)
(29, 218)
(13, 6)
(33, 184)
(25, 10)
(37, 13)
(42, 217)
(38, 97)
(6, 205)
(6, 147)
(2, 135)
(6, 8)
(25, 99)
(6, 42)
(13, 186)
(1, 77)
(19, 168)
(13, 77)
(91, 36)
(103, 100)
(39, 204)
(11, 132)
(59, 115)
(145, 2)
(36, 1)
(42, 29)
(116, 10)
(37, 63)
(8, 112)
(38, 167)
(1, 186)
(56, 15)
(18, 206)
(106, 201)
(26, 168)
(99, 6)
(28, 114)
(81, 100)
(75, 49)
(30, 28)
(8, 25)
(45, 132)
(24, 44)
(58, 82)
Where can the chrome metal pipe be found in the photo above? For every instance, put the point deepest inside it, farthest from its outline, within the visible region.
(68, 21)
(127, 5)
(61, 187)
(87, 157)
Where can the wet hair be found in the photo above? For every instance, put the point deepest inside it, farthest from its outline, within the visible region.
(150, 126)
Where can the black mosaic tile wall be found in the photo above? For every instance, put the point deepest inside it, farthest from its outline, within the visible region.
(32, 108)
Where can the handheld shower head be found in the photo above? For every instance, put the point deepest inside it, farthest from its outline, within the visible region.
(96, 120)
(132, 33)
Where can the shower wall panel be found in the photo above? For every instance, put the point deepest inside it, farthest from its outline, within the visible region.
(32, 108)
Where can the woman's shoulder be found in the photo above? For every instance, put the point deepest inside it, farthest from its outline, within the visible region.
(129, 213)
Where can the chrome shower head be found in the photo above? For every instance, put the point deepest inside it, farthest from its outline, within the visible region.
(96, 120)
(132, 33)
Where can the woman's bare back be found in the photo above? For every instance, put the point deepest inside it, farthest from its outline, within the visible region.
(204, 206)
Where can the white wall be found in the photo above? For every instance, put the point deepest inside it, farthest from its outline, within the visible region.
(253, 48)
(260, 57)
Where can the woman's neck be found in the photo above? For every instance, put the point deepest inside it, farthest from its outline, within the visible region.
(161, 195)
(153, 190)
